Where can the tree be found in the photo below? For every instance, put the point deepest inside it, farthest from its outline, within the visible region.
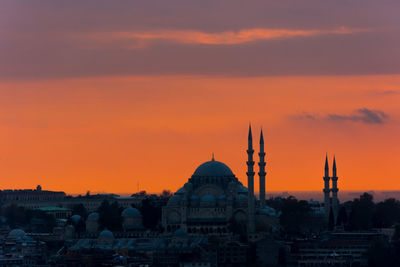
(151, 214)
(80, 210)
(295, 217)
(362, 213)
(166, 194)
(387, 213)
(110, 216)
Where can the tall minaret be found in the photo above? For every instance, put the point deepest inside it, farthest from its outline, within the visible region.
(262, 173)
(250, 184)
(335, 201)
(326, 189)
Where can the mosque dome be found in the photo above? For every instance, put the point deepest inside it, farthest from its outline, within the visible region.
(75, 218)
(16, 233)
(106, 237)
(213, 168)
(92, 224)
(131, 213)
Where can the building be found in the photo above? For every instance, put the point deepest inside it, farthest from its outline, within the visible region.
(213, 199)
(30, 195)
(337, 249)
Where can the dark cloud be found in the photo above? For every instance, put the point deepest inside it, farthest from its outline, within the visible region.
(363, 115)
(36, 38)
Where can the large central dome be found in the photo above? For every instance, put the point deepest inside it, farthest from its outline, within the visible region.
(213, 168)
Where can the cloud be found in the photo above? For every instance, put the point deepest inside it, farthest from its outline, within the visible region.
(215, 38)
(363, 115)
(386, 92)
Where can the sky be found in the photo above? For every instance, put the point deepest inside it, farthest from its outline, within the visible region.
(116, 96)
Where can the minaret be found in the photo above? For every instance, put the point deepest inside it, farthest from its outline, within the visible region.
(335, 201)
(262, 173)
(326, 189)
(250, 185)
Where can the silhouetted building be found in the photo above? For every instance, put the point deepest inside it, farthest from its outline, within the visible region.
(213, 198)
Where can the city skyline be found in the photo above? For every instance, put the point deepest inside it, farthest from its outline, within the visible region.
(102, 96)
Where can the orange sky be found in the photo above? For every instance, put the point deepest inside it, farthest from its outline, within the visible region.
(102, 95)
(109, 133)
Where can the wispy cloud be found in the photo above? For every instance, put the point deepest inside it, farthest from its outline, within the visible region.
(218, 38)
(363, 115)
(386, 92)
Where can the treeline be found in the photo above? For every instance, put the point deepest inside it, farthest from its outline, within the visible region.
(363, 214)
(31, 220)
(298, 219)
(109, 211)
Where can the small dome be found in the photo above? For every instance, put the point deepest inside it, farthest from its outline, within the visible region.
(106, 237)
(16, 233)
(267, 210)
(213, 168)
(131, 213)
(75, 218)
(93, 216)
(180, 233)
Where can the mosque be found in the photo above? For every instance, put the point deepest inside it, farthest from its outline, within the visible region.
(213, 199)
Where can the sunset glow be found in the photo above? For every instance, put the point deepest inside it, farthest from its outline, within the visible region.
(119, 96)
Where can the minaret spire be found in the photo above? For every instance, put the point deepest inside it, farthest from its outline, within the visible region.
(250, 184)
(326, 190)
(334, 167)
(261, 172)
(326, 166)
(212, 158)
(335, 200)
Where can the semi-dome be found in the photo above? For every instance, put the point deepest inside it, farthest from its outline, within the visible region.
(213, 168)
(131, 213)
(16, 233)
(106, 237)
